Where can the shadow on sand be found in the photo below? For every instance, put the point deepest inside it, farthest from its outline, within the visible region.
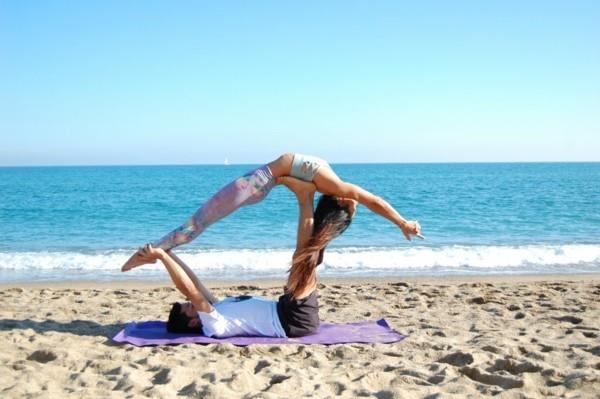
(78, 327)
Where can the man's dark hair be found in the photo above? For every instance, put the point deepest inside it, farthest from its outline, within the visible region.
(178, 321)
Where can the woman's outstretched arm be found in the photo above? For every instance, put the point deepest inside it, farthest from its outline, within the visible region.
(329, 183)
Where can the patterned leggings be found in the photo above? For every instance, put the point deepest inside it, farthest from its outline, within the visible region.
(249, 189)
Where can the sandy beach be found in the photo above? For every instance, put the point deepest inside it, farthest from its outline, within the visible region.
(510, 337)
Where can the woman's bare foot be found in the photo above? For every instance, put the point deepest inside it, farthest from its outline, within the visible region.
(299, 187)
(136, 260)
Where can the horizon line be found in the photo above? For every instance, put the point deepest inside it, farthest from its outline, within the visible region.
(333, 163)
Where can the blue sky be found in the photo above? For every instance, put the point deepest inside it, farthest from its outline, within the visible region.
(149, 82)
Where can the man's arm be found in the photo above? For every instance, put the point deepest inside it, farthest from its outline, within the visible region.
(205, 291)
(180, 278)
(306, 221)
(305, 194)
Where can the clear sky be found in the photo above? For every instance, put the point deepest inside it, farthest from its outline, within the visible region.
(151, 82)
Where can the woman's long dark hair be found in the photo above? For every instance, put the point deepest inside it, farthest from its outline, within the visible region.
(330, 220)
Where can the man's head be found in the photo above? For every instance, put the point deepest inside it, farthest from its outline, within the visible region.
(183, 318)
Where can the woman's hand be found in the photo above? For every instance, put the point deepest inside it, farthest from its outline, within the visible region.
(349, 204)
(412, 228)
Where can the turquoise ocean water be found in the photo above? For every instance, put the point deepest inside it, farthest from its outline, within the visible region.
(61, 223)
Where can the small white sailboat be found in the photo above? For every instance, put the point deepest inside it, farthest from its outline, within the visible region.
(226, 161)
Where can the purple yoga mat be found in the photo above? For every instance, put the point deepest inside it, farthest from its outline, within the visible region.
(155, 333)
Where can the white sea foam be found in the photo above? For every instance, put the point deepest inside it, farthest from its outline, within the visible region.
(235, 264)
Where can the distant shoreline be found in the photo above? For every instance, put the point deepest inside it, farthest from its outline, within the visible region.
(333, 163)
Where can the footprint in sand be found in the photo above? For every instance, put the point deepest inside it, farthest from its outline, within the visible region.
(189, 390)
(401, 284)
(479, 300)
(19, 365)
(490, 348)
(457, 359)
(337, 387)
(125, 383)
(162, 377)
(546, 348)
(437, 379)
(570, 319)
(491, 379)
(261, 365)
(277, 379)
(42, 356)
(514, 367)
(594, 351)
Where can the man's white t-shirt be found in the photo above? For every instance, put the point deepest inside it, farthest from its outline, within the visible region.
(242, 316)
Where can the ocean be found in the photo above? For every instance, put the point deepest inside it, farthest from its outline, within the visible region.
(82, 223)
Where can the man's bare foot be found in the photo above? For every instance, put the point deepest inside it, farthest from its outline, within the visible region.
(299, 187)
(136, 260)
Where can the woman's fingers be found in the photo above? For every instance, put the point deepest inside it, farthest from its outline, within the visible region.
(418, 230)
(412, 228)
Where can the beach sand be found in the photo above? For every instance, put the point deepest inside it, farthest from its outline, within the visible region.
(513, 337)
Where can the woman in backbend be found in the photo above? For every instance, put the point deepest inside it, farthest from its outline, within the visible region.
(254, 186)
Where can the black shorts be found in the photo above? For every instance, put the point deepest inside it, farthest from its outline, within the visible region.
(298, 317)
